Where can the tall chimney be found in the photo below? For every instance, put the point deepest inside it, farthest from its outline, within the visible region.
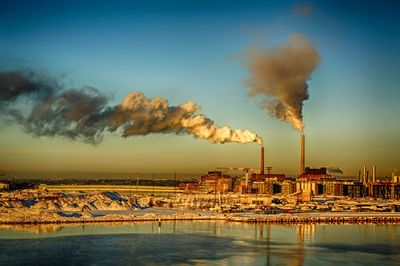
(262, 160)
(364, 174)
(302, 153)
(373, 174)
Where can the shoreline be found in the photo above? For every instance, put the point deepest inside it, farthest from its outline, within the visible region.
(37, 207)
(316, 218)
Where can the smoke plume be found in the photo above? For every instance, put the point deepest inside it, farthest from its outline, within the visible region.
(335, 170)
(45, 108)
(280, 77)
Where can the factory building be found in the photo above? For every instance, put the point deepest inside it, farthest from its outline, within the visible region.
(385, 190)
(268, 187)
(314, 174)
(188, 186)
(335, 187)
(257, 200)
(310, 182)
(355, 190)
(242, 186)
(4, 185)
(390, 188)
(216, 181)
(268, 176)
(288, 187)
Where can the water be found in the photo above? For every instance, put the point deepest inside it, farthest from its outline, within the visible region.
(204, 243)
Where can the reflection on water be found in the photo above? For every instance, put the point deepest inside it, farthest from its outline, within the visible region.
(200, 243)
(305, 232)
(36, 229)
(294, 252)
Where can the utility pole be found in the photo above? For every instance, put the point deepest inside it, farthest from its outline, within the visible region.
(137, 183)
(153, 184)
(269, 168)
(215, 193)
(130, 188)
(175, 184)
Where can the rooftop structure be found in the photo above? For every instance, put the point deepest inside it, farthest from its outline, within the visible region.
(315, 174)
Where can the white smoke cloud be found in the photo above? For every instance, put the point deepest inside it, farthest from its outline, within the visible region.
(84, 113)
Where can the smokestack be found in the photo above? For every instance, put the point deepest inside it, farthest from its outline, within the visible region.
(364, 174)
(302, 153)
(262, 160)
(373, 174)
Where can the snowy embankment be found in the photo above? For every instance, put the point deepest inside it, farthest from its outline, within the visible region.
(39, 207)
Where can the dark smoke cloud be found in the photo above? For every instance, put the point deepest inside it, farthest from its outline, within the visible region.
(335, 170)
(280, 77)
(13, 84)
(44, 108)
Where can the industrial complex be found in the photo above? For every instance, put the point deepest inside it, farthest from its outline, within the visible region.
(309, 183)
(314, 192)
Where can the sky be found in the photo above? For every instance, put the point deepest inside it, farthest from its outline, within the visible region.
(193, 50)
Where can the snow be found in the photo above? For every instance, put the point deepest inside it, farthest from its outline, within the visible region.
(44, 207)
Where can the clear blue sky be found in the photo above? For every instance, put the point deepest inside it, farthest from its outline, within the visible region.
(190, 50)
